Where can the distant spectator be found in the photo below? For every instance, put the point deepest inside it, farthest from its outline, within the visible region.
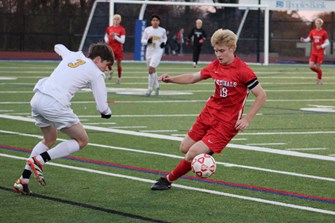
(180, 41)
(170, 46)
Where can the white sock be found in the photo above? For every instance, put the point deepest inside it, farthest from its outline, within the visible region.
(61, 150)
(64, 149)
(150, 81)
(38, 149)
(155, 80)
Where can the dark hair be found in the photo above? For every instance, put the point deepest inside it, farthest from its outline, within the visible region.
(156, 16)
(102, 50)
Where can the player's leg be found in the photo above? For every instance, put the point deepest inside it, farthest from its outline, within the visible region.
(110, 72)
(79, 139)
(50, 135)
(119, 72)
(118, 57)
(314, 67)
(191, 140)
(151, 80)
(156, 59)
(183, 167)
(319, 61)
(194, 55)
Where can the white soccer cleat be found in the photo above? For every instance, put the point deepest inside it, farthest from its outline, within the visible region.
(21, 187)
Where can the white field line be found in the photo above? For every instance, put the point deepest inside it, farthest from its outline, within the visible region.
(174, 138)
(306, 149)
(254, 199)
(191, 91)
(181, 157)
(174, 101)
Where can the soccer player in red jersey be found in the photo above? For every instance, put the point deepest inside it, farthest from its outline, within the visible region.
(115, 37)
(319, 38)
(221, 118)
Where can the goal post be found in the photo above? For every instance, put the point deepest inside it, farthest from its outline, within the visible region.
(138, 49)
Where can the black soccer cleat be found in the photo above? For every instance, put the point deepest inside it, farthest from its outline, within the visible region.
(161, 184)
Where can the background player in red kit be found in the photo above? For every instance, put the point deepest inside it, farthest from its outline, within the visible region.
(115, 37)
(221, 119)
(319, 38)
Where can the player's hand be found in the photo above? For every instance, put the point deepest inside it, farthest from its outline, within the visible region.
(165, 78)
(241, 124)
(302, 39)
(187, 43)
(202, 40)
(149, 40)
(106, 116)
(162, 45)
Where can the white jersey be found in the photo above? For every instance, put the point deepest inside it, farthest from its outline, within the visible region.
(74, 73)
(158, 36)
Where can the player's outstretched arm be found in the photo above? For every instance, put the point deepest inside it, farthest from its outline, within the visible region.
(181, 79)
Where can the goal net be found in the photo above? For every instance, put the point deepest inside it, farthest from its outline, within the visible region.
(249, 22)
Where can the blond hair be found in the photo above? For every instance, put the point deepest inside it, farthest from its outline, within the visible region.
(224, 36)
(117, 16)
(319, 20)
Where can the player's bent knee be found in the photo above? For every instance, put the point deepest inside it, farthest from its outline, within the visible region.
(183, 148)
(82, 142)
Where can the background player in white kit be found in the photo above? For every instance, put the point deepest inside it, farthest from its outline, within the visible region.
(51, 106)
(154, 37)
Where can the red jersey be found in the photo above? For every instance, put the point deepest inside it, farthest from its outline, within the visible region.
(232, 83)
(119, 31)
(318, 37)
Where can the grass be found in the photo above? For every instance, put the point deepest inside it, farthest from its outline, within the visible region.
(281, 169)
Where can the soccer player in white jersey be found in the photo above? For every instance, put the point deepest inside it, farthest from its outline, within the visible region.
(51, 106)
(154, 37)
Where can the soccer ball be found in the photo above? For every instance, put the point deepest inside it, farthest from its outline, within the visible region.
(203, 165)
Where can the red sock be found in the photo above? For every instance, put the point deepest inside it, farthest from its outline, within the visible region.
(119, 71)
(183, 168)
(318, 71)
(319, 74)
(314, 69)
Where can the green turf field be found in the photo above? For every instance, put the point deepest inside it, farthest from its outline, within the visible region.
(282, 169)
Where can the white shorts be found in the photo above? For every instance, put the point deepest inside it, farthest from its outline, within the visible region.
(47, 111)
(153, 59)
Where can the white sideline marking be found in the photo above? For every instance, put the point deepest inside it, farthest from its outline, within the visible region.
(267, 144)
(172, 130)
(306, 149)
(181, 157)
(174, 138)
(7, 78)
(286, 133)
(259, 200)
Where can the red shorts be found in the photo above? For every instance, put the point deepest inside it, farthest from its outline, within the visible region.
(316, 58)
(215, 133)
(118, 54)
